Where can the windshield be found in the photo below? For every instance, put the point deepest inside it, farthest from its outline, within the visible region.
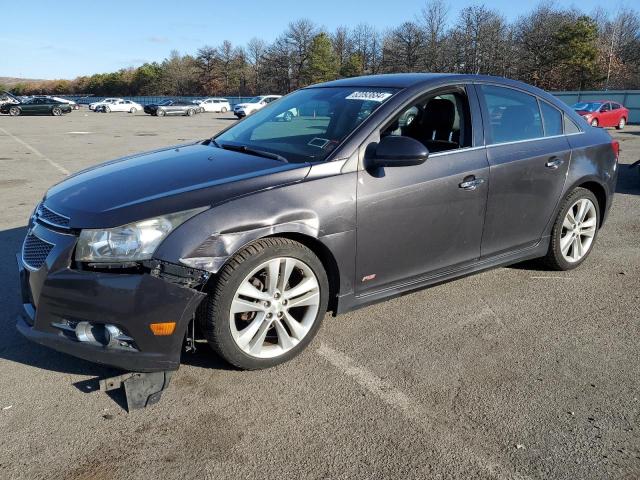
(307, 125)
(587, 106)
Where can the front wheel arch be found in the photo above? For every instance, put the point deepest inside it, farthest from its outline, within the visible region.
(323, 253)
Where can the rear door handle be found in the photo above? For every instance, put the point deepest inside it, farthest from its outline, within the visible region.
(554, 163)
(471, 183)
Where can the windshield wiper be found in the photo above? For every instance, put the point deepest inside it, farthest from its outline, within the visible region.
(251, 151)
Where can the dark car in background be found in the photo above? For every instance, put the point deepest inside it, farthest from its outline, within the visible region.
(172, 107)
(245, 240)
(603, 113)
(36, 106)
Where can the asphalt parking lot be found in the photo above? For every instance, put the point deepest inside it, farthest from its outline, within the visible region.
(513, 373)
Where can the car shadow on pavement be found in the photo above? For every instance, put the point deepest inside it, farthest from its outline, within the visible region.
(628, 179)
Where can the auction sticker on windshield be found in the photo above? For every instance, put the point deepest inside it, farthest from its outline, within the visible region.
(371, 96)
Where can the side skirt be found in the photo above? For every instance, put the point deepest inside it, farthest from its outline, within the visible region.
(350, 302)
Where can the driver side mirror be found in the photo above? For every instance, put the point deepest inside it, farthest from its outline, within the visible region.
(396, 151)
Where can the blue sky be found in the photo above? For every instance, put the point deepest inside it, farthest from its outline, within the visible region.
(67, 38)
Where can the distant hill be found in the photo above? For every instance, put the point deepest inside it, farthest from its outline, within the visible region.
(11, 81)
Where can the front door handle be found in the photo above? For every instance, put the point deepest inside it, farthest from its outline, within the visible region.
(471, 182)
(554, 163)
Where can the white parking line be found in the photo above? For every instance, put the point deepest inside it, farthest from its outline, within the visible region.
(55, 165)
(412, 411)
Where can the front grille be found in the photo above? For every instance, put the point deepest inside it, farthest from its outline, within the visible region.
(50, 217)
(35, 251)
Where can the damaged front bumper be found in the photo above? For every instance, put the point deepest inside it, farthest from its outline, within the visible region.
(105, 317)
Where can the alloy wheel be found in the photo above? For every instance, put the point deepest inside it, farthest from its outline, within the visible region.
(56, 112)
(594, 122)
(14, 111)
(621, 123)
(274, 307)
(578, 230)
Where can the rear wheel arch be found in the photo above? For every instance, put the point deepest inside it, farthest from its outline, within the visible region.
(600, 193)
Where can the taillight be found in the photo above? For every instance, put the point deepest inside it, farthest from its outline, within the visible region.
(615, 145)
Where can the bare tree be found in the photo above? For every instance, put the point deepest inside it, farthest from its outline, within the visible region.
(299, 37)
(256, 49)
(404, 48)
(342, 45)
(433, 20)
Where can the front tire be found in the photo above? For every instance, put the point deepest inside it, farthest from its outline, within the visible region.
(161, 113)
(223, 110)
(190, 112)
(14, 111)
(267, 304)
(574, 231)
(56, 112)
(133, 110)
(621, 124)
(107, 110)
(594, 122)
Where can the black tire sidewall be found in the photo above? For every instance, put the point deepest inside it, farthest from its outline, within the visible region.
(218, 313)
(555, 254)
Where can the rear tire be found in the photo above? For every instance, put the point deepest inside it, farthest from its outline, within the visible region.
(223, 110)
(559, 258)
(190, 112)
(14, 111)
(133, 110)
(621, 124)
(225, 330)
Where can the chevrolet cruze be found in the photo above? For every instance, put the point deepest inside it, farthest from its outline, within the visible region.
(248, 238)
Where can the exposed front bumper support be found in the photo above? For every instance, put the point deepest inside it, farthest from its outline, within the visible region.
(141, 389)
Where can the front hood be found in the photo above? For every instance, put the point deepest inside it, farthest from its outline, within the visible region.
(584, 112)
(164, 181)
(243, 105)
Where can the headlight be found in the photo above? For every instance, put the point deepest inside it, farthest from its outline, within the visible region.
(132, 242)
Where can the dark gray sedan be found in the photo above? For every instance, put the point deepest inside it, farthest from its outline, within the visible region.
(246, 240)
(171, 107)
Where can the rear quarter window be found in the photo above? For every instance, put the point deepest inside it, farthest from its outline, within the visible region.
(569, 126)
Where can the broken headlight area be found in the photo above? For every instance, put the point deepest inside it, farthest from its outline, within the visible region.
(176, 274)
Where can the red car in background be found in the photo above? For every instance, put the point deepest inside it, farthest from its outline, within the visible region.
(603, 113)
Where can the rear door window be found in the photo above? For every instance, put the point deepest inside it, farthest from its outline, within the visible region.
(552, 119)
(513, 115)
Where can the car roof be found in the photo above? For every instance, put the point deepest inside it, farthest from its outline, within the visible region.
(406, 80)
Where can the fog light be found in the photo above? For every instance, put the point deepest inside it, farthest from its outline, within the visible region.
(105, 335)
(93, 334)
